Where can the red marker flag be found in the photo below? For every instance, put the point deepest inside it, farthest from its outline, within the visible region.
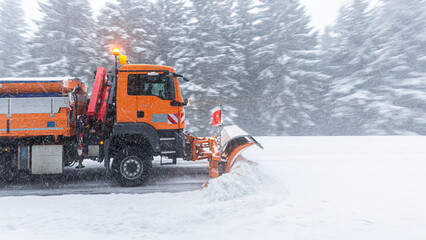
(217, 117)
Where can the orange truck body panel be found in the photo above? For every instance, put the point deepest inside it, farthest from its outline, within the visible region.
(31, 85)
(170, 117)
(33, 125)
(31, 116)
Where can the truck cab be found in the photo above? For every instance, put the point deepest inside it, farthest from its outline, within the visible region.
(149, 118)
(149, 94)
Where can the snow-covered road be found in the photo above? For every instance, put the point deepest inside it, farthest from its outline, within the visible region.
(297, 188)
(92, 179)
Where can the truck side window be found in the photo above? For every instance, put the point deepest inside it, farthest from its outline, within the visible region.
(147, 85)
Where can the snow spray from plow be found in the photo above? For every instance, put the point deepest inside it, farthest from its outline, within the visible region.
(246, 181)
(233, 141)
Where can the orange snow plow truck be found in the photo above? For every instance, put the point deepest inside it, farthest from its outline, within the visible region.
(133, 114)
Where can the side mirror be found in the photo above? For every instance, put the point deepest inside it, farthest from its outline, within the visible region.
(179, 104)
(171, 88)
(181, 76)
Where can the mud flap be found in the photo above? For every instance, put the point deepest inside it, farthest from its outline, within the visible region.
(233, 142)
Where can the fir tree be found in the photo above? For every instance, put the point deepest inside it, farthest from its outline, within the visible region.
(12, 43)
(63, 44)
(397, 74)
(288, 62)
(123, 25)
(110, 34)
(348, 53)
(241, 34)
(376, 61)
(167, 32)
(215, 65)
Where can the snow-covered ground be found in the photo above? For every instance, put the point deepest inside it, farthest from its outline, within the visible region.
(297, 188)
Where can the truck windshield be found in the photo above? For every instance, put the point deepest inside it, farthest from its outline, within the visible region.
(148, 85)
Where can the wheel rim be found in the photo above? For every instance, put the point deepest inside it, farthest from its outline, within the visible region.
(131, 168)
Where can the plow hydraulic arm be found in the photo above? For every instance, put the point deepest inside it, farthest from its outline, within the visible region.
(221, 152)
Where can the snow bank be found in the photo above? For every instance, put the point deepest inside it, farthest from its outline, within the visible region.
(338, 188)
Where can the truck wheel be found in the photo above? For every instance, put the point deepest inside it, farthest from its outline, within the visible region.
(5, 168)
(131, 169)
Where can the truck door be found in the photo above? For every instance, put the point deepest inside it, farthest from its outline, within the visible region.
(155, 93)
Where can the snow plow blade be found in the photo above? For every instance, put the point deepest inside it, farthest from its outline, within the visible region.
(233, 142)
(221, 152)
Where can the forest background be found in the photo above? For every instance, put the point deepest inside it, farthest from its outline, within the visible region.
(262, 60)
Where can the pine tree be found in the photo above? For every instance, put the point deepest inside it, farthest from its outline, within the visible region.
(241, 35)
(63, 44)
(288, 62)
(169, 35)
(12, 43)
(376, 61)
(346, 59)
(167, 32)
(123, 24)
(215, 65)
(397, 74)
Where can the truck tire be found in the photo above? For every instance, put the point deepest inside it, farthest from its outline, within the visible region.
(131, 168)
(6, 174)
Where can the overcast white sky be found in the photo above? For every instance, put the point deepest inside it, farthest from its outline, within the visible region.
(323, 12)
